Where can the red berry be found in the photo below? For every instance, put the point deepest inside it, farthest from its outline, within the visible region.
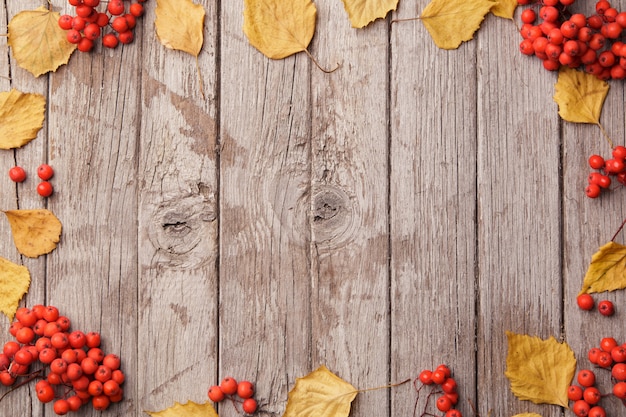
(216, 394)
(85, 45)
(449, 385)
(110, 40)
(574, 393)
(17, 174)
(92, 31)
(592, 191)
(439, 376)
(249, 405)
(619, 371)
(45, 189)
(606, 308)
(618, 353)
(581, 408)
(619, 152)
(453, 413)
(597, 411)
(136, 9)
(586, 378)
(116, 7)
(585, 301)
(604, 359)
(426, 377)
(443, 403)
(61, 406)
(245, 389)
(229, 385)
(126, 37)
(592, 395)
(119, 24)
(65, 22)
(619, 390)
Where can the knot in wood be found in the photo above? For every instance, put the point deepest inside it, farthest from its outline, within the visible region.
(333, 215)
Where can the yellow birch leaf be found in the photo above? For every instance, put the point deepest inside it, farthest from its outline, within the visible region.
(451, 22)
(14, 283)
(580, 96)
(607, 270)
(279, 28)
(39, 44)
(35, 232)
(504, 8)
(21, 118)
(363, 12)
(320, 394)
(539, 370)
(189, 409)
(180, 25)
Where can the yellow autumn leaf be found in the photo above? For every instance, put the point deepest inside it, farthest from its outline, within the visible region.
(504, 8)
(451, 22)
(320, 394)
(180, 25)
(189, 409)
(539, 370)
(363, 12)
(279, 28)
(21, 118)
(580, 96)
(39, 45)
(14, 283)
(35, 232)
(607, 270)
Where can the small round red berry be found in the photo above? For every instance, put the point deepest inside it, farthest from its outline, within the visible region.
(229, 385)
(574, 393)
(592, 395)
(439, 376)
(597, 411)
(216, 394)
(249, 406)
(608, 343)
(45, 172)
(606, 308)
(453, 413)
(17, 174)
(592, 191)
(581, 408)
(585, 301)
(110, 41)
(426, 377)
(586, 378)
(245, 389)
(443, 403)
(619, 390)
(45, 189)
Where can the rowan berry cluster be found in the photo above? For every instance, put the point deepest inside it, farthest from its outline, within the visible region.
(586, 302)
(71, 367)
(44, 172)
(559, 38)
(601, 178)
(443, 385)
(230, 388)
(586, 396)
(89, 24)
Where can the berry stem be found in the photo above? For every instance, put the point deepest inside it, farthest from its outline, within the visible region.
(33, 376)
(618, 230)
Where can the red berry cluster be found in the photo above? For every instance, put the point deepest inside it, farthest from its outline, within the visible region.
(559, 38)
(75, 370)
(89, 23)
(586, 396)
(586, 302)
(444, 385)
(229, 387)
(44, 171)
(600, 179)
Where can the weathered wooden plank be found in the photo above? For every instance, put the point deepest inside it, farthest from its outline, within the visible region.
(433, 210)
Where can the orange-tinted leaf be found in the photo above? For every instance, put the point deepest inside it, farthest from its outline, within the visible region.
(21, 118)
(539, 370)
(607, 270)
(14, 283)
(180, 25)
(320, 394)
(35, 232)
(39, 45)
(189, 409)
(504, 8)
(279, 28)
(451, 22)
(580, 96)
(363, 12)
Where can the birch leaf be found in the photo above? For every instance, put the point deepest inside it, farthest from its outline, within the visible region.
(189, 409)
(363, 12)
(539, 370)
(39, 45)
(35, 232)
(580, 96)
(451, 22)
(14, 283)
(21, 118)
(607, 270)
(504, 8)
(320, 394)
(279, 28)
(180, 25)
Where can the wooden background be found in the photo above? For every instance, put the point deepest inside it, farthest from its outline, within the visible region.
(401, 212)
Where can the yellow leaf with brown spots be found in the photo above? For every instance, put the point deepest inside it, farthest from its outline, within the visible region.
(35, 232)
(14, 283)
(363, 12)
(580, 96)
(180, 25)
(21, 118)
(607, 270)
(39, 45)
(189, 409)
(504, 8)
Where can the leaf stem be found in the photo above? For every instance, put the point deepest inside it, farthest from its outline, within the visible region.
(317, 64)
(618, 230)
(397, 384)
(406, 19)
(606, 135)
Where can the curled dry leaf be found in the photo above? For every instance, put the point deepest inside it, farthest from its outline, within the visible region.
(451, 22)
(504, 8)
(580, 96)
(14, 283)
(21, 118)
(320, 394)
(363, 12)
(189, 409)
(39, 45)
(607, 270)
(539, 370)
(35, 232)
(180, 25)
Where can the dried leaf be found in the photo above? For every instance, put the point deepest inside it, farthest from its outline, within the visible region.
(39, 44)
(21, 118)
(35, 232)
(320, 394)
(539, 370)
(279, 28)
(607, 270)
(180, 25)
(580, 96)
(504, 8)
(14, 283)
(363, 12)
(189, 409)
(451, 22)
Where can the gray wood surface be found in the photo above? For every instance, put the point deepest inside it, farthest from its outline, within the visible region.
(242, 216)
